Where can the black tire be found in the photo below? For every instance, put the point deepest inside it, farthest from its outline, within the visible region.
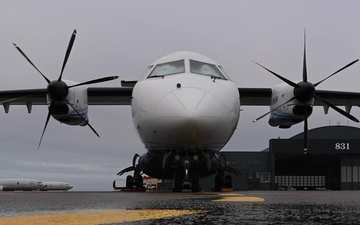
(178, 180)
(139, 182)
(218, 183)
(228, 181)
(129, 182)
(195, 182)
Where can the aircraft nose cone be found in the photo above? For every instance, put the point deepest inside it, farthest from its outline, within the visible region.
(189, 118)
(189, 103)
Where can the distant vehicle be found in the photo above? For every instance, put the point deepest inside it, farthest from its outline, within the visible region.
(20, 185)
(56, 186)
(119, 184)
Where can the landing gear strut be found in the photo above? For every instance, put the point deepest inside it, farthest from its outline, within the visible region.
(186, 174)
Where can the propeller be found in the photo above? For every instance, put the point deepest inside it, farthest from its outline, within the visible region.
(304, 92)
(58, 90)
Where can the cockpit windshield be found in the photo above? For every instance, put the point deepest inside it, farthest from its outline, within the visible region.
(205, 69)
(169, 68)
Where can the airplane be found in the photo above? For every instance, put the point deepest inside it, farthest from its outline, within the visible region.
(185, 109)
(20, 184)
(56, 186)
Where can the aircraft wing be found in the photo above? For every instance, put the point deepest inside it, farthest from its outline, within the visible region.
(255, 96)
(111, 95)
(122, 96)
(96, 96)
(23, 97)
(339, 98)
(262, 97)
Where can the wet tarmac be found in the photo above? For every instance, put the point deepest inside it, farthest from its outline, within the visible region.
(258, 207)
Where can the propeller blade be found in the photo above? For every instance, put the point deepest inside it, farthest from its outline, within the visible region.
(289, 82)
(306, 129)
(46, 123)
(259, 118)
(87, 122)
(67, 54)
(95, 81)
(348, 115)
(27, 58)
(336, 72)
(304, 62)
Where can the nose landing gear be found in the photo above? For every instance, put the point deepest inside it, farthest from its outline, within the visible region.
(186, 174)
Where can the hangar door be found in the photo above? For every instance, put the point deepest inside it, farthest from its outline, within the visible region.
(330, 163)
(307, 172)
(350, 172)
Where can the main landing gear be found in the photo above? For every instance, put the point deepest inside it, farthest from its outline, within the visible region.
(185, 169)
(222, 181)
(136, 181)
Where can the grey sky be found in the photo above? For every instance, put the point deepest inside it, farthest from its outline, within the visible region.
(123, 37)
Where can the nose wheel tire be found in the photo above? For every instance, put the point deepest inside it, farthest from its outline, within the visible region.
(178, 180)
(195, 182)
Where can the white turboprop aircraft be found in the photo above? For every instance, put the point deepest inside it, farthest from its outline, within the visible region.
(20, 185)
(185, 110)
(56, 186)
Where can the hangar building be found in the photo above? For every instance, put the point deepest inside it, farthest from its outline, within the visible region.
(332, 162)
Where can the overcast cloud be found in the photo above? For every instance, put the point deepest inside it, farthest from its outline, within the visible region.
(124, 37)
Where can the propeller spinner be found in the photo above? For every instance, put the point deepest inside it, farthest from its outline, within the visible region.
(305, 91)
(57, 90)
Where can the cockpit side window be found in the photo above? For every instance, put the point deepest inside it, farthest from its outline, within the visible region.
(169, 68)
(205, 69)
(147, 71)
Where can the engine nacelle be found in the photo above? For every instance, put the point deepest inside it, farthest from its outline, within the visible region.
(293, 115)
(58, 108)
(287, 113)
(74, 109)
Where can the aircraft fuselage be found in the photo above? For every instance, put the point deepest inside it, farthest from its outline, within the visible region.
(185, 111)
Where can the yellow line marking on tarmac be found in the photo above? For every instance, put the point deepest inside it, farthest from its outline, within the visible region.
(229, 197)
(230, 194)
(239, 199)
(95, 217)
